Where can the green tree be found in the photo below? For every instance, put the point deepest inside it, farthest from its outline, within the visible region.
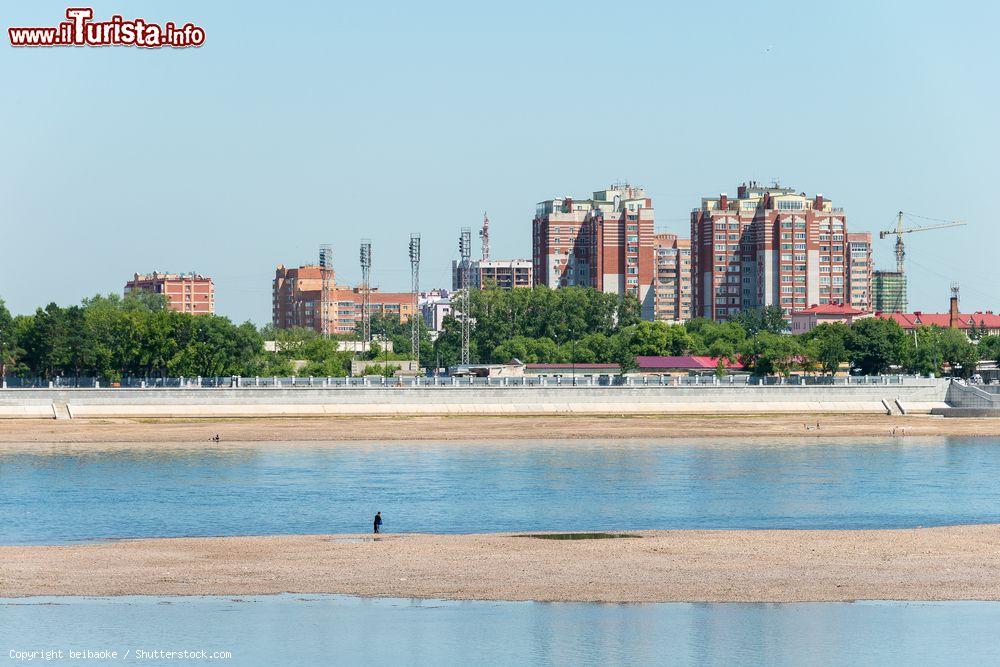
(10, 352)
(771, 353)
(989, 347)
(769, 319)
(827, 344)
(959, 353)
(876, 344)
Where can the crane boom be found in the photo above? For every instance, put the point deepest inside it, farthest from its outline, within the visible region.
(899, 231)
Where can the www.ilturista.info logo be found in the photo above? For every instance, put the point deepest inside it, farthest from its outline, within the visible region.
(80, 30)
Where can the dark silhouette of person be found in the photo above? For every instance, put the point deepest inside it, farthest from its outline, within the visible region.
(378, 522)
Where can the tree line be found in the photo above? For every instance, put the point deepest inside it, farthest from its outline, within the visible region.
(138, 336)
(586, 326)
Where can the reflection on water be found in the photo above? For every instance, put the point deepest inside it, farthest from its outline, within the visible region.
(319, 629)
(453, 487)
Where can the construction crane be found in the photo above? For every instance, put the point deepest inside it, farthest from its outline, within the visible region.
(899, 231)
(484, 234)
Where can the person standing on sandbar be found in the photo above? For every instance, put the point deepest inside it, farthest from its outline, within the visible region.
(378, 521)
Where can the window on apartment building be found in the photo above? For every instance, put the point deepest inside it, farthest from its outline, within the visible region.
(838, 248)
(786, 257)
(838, 259)
(786, 246)
(786, 267)
(786, 289)
(800, 246)
(800, 236)
(800, 267)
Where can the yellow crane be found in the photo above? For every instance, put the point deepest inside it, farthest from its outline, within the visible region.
(900, 230)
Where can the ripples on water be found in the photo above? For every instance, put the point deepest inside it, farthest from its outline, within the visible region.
(321, 630)
(454, 487)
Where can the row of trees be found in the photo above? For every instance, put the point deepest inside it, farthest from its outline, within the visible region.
(113, 337)
(586, 326)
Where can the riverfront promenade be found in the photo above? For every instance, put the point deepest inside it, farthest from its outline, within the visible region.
(873, 396)
(948, 563)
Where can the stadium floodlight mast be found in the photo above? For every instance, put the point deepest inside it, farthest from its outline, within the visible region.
(326, 275)
(366, 274)
(465, 250)
(415, 287)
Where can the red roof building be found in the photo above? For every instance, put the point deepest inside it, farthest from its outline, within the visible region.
(686, 364)
(809, 318)
(962, 321)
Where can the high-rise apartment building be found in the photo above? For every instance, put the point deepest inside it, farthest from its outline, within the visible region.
(185, 292)
(889, 292)
(297, 301)
(769, 246)
(498, 273)
(859, 264)
(671, 278)
(605, 242)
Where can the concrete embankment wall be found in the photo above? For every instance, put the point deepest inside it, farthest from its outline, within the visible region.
(320, 401)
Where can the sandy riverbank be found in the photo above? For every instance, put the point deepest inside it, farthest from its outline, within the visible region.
(950, 563)
(469, 428)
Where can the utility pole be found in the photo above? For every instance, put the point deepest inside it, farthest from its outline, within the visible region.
(366, 274)
(465, 250)
(326, 275)
(415, 287)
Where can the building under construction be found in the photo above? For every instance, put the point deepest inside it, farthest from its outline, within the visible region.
(889, 292)
(889, 287)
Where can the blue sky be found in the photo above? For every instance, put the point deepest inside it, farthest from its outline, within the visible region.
(326, 121)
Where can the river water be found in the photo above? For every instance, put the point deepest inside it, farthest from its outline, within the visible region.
(449, 487)
(329, 630)
(67, 496)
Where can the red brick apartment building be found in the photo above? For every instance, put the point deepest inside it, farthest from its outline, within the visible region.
(774, 246)
(672, 278)
(297, 301)
(186, 292)
(605, 242)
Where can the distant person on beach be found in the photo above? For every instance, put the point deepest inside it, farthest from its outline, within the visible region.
(378, 521)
